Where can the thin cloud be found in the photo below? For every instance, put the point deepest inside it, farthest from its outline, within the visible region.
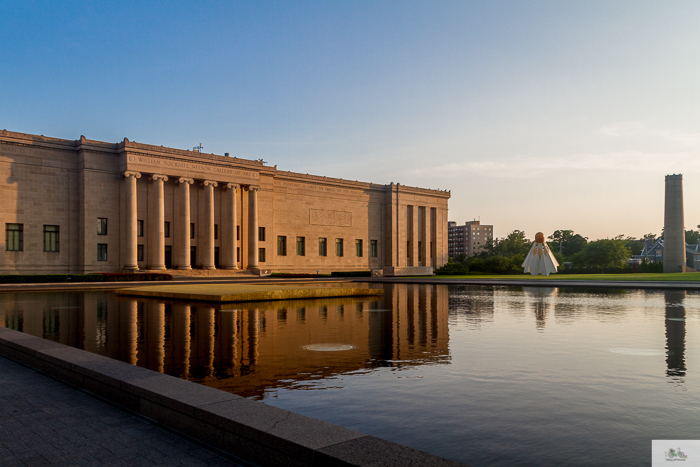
(531, 167)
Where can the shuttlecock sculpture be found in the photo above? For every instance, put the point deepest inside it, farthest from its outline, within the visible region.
(540, 259)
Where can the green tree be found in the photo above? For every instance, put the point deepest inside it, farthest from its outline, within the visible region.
(513, 244)
(692, 236)
(566, 242)
(604, 253)
(635, 245)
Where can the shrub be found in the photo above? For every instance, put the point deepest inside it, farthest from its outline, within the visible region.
(351, 274)
(451, 269)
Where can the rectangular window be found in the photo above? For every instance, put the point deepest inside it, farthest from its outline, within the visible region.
(261, 255)
(301, 246)
(101, 252)
(166, 229)
(192, 230)
(261, 234)
(281, 246)
(216, 231)
(420, 253)
(431, 249)
(339, 247)
(51, 238)
(101, 226)
(373, 248)
(139, 228)
(139, 252)
(238, 232)
(358, 248)
(322, 247)
(14, 237)
(238, 254)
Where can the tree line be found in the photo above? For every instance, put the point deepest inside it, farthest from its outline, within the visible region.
(574, 252)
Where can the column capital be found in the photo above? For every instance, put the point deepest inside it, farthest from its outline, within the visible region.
(233, 186)
(128, 174)
(181, 180)
(253, 188)
(210, 183)
(157, 177)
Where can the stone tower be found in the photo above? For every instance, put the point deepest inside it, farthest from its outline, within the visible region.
(674, 228)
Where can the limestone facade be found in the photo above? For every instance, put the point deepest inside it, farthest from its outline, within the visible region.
(88, 206)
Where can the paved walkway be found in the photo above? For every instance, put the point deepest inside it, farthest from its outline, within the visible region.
(45, 422)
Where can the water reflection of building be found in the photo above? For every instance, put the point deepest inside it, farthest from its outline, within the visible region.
(246, 348)
(675, 334)
(473, 305)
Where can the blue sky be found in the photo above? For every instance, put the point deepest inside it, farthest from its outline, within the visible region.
(536, 115)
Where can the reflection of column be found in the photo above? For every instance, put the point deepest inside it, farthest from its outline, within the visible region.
(675, 333)
(130, 232)
(155, 335)
(411, 315)
(112, 331)
(158, 230)
(205, 339)
(181, 338)
(253, 227)
(128, 311)
(252, 336)
(209, 224)
(183, 255)
(229, 233)
(88, 309)
(228, 338)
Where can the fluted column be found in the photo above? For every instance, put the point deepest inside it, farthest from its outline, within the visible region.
(130, 232)
(229, 234)
(208, 256)
(158, 230)
(183, 246)
(253, 227)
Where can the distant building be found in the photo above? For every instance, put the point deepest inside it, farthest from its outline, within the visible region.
(653, 252)
(468, 239)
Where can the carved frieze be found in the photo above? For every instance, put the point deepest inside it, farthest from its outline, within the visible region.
(333, 218)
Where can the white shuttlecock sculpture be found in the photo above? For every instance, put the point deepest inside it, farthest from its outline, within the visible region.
(540, 259)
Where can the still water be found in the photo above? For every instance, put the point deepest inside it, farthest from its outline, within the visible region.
(482, 375)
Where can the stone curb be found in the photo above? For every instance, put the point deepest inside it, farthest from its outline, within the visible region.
(250, 430)
(541, 283)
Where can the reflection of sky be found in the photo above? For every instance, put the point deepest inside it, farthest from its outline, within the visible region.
(525, 377)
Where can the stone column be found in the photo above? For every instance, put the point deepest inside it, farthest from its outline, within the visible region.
(208, 256)
(130, 233)
(158, 229)
(230, 231)
(674, 227)
(183, 246)
(253, 227)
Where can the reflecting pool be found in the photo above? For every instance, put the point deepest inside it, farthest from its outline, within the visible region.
(483, 375)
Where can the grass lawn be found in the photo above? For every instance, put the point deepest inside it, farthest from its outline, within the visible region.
(680, 276)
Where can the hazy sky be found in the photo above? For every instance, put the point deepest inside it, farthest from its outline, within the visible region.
(536, 115)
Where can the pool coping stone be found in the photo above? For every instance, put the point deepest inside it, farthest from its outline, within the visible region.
(251, 430)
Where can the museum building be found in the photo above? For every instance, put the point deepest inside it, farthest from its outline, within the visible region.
(89, 206)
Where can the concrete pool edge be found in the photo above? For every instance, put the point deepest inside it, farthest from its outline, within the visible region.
(251, 430)
(684, 285)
